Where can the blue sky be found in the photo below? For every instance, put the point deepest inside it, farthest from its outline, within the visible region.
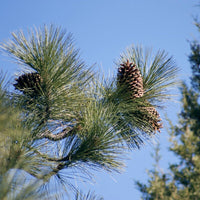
(103, 30)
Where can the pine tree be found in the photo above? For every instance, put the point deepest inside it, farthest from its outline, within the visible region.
(183, 180)
(74, 121)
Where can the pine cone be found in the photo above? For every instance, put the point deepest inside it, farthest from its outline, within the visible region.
(153, 118)
(29, 83)
(130, 76)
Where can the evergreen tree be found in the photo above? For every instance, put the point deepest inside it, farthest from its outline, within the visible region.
(183, 180)
(70, 120)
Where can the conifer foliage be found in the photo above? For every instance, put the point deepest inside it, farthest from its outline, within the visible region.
(74, 121)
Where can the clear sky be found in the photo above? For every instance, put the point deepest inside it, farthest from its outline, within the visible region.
(103, 30)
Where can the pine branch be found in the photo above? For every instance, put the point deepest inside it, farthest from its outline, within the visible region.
(57, 89)
(59, 136)
(46, 157)
(61, 164)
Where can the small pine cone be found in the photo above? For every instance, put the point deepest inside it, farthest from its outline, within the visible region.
(29, 83)
(129, 75)
(154, 118)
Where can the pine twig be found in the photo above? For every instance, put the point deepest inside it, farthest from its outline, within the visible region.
(59, 136)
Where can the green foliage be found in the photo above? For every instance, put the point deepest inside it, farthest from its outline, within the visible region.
(50, 52)
(15, 154)
(64, 119)
(194, 59)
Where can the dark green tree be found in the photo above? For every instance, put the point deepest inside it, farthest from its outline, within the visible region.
(71, 121)
(183, 180)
